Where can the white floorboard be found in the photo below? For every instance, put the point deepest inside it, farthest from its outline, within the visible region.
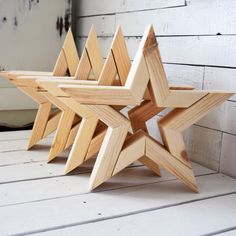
(36, 197)
(190, 219)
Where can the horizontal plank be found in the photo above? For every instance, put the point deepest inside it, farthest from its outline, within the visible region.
(17, 135)
(222, 118)
(167, 22)
(104, 25)
(188, 75)
(220, 78)
(204, 146)
(22, 157)
(218, 215)
(228, 160)
(21, 145)
(48, 188)
(90, 7)
(91, 207)
(192, 50)
(29, 171)
(14, 99)
(189, 20)
(14, 135)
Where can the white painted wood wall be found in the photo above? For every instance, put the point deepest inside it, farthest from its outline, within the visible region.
(197, 40)
(29, 40)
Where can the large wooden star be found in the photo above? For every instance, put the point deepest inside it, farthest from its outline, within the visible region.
(147, 72)
(89, 137)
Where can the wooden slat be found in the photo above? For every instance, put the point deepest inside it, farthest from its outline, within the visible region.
(62, 134)
(213, 79)
(81, 143)
(168, 22)
(218, 216)
(173, 21)
(92, 207)
(29, 190)
(227, 159)
(40, 123)
(204, 146)
(222, 118)
(18, 144)
(22, 156)
(89, 7)
(9, 135)
(193, 50)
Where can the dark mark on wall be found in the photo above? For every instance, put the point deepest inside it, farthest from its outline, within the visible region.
(60, 25)
(15, 22)
(218, 33)
(63, 23)
(4, 19)
(67, 18)
(32, 3)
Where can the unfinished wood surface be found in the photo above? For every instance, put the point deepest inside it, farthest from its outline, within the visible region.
(111, 146)
(52, 123)
(91, 60)
(107, 158)
(62, 133)
(133, 90)
(81, 143)
(178, 120)
(40, 124)
(71, 56)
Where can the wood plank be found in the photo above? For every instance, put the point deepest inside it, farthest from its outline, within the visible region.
(40, 123)
(90, 7)
(188, 75)
(62, 133)
(104, 25)
(192, 50)
(219, 215)
(22, 157)
(14, 135)
(204, 146)
(19, 145)
(214, 77)
(34, 190)
(172, 21)
(168, 22)
(81, 143)
(222, 118)
(91, 207)
(31, 171)
(227, 159)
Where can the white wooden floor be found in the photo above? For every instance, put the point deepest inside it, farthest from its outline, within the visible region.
(35, 198)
